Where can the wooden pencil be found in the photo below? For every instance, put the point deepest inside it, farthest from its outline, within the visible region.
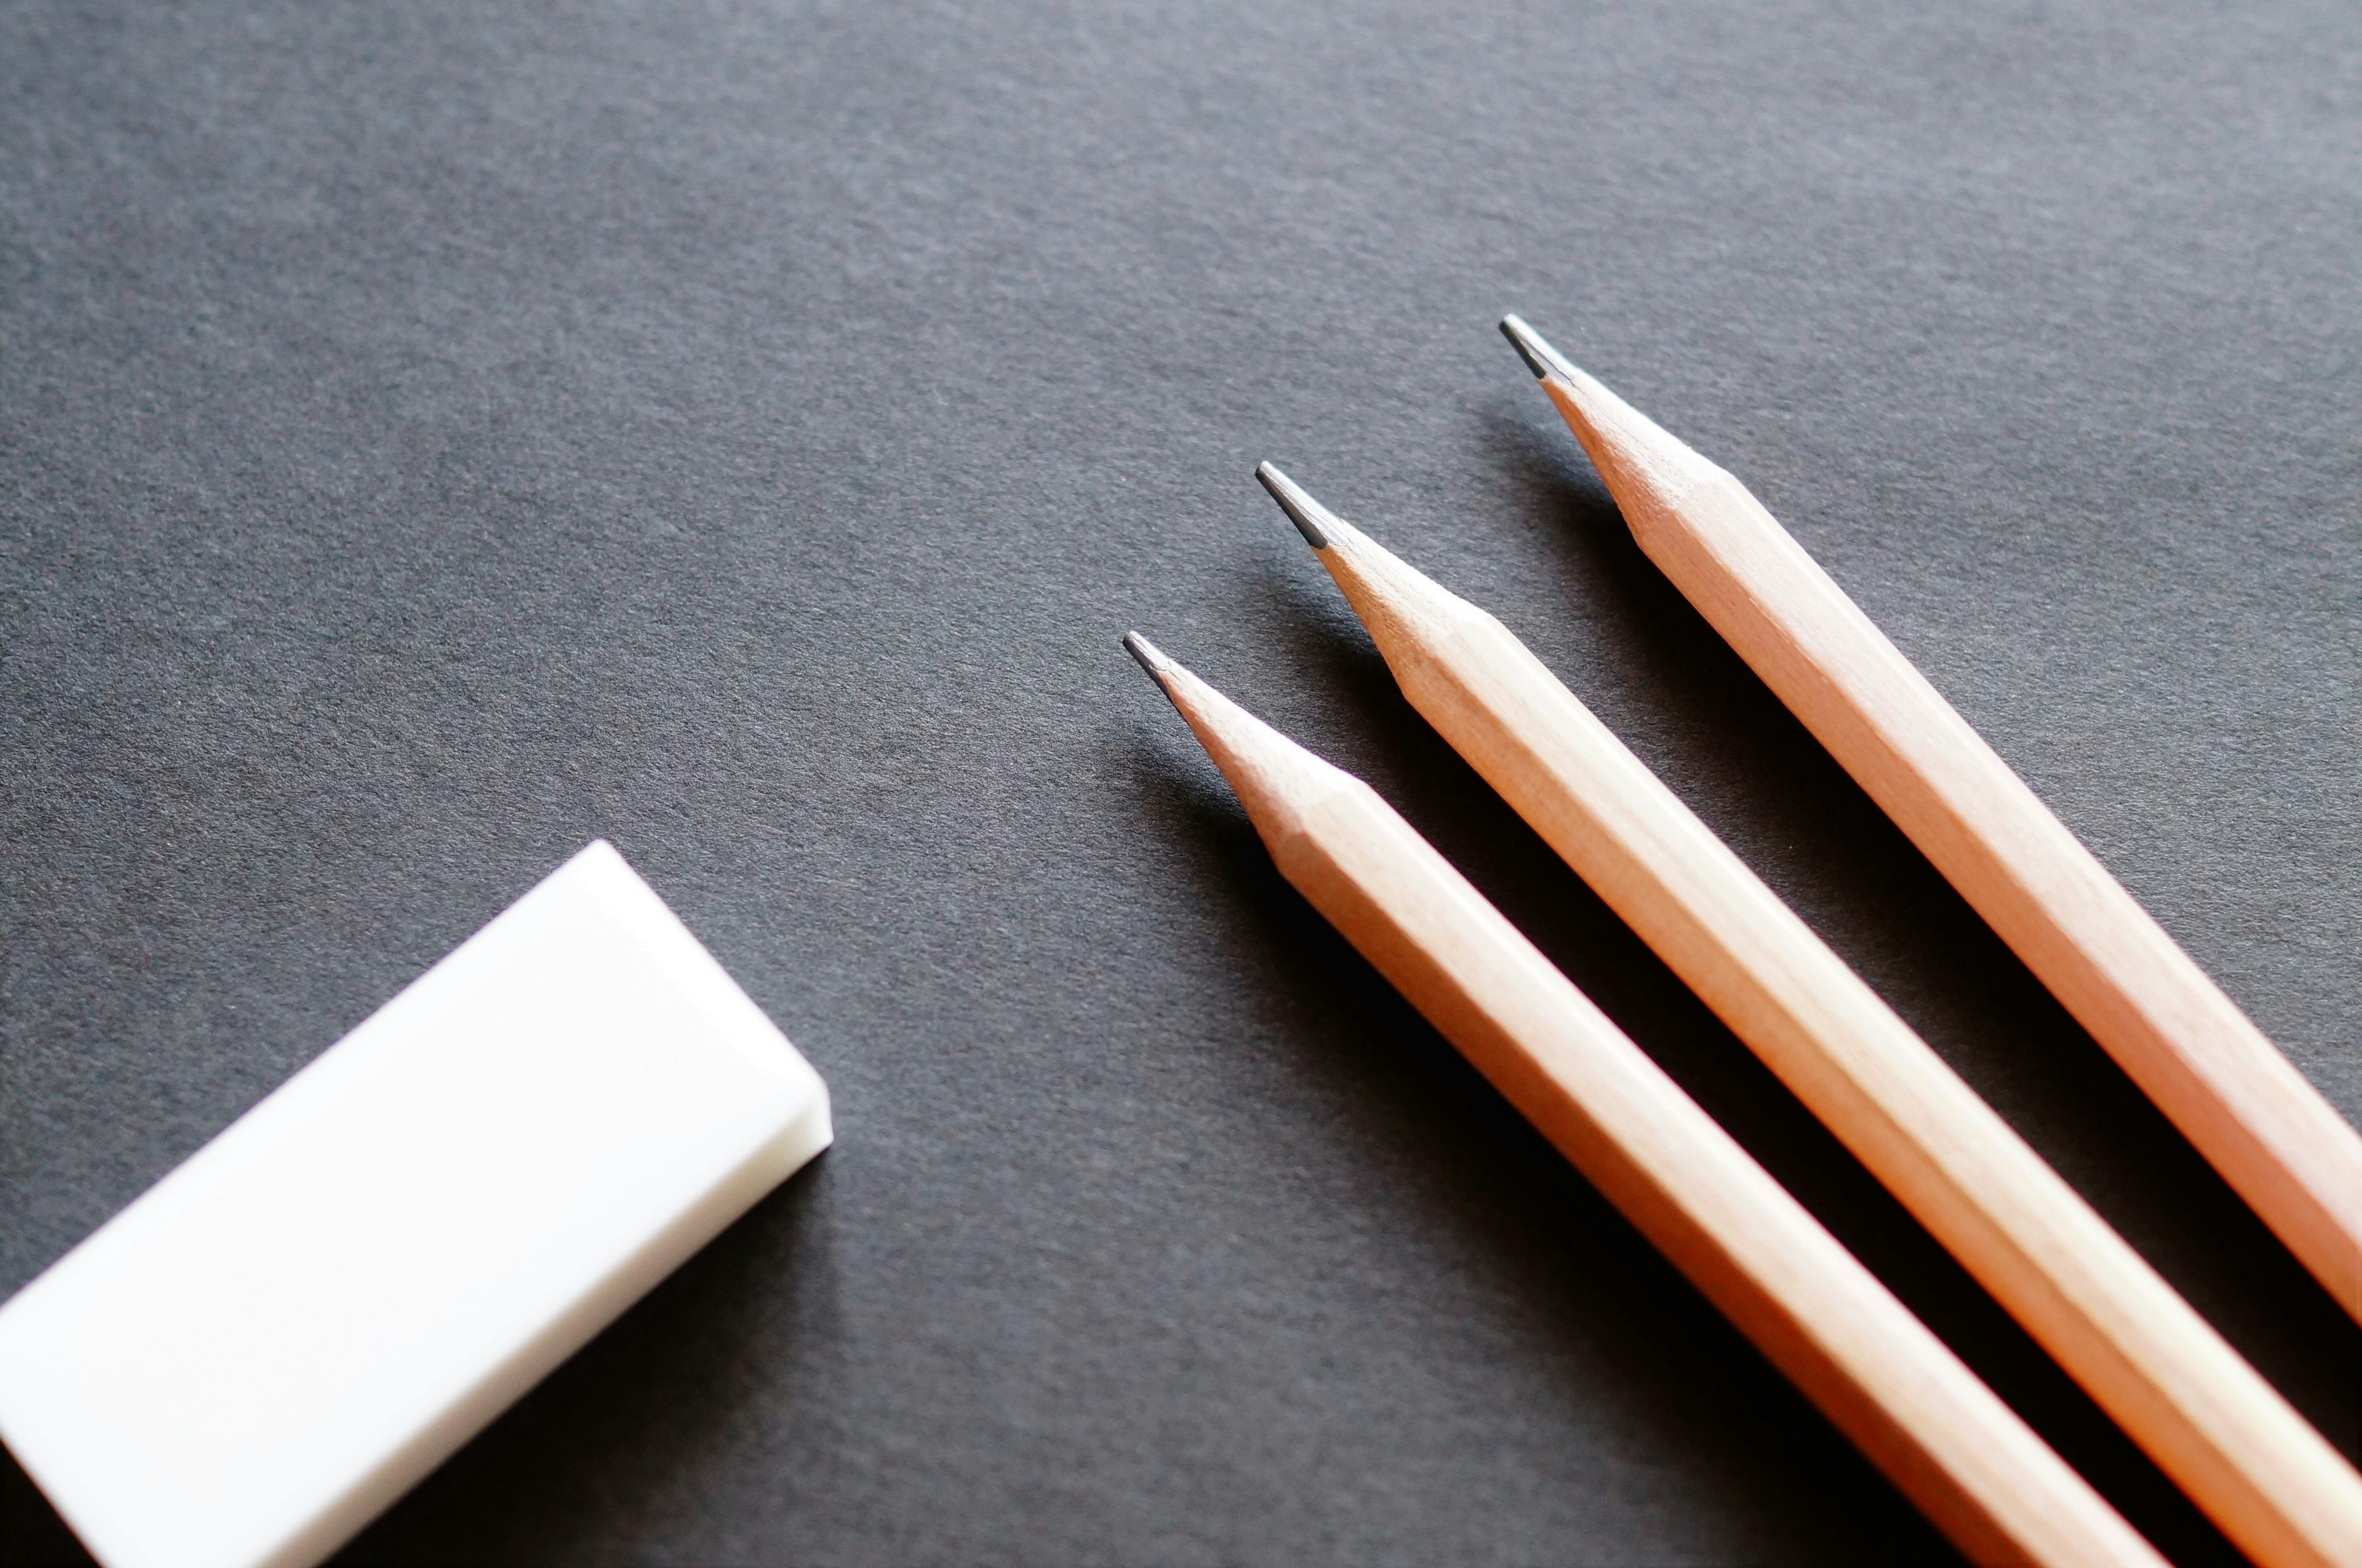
(2272, 1136)
(2265, 1476)
(1986, 1479)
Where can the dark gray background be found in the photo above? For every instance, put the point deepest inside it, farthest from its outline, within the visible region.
(433, 434)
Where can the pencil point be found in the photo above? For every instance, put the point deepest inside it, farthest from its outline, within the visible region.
(1542, 359)
(1646, 469)
(1312, 520)
(1152, 659)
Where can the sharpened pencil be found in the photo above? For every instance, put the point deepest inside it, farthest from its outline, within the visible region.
(2241, 1103)
(2226, 1437)
(1985, 1478)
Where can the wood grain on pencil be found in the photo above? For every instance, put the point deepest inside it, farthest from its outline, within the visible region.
(2266, 1477)
(1985, 1478)
(2272, 1136)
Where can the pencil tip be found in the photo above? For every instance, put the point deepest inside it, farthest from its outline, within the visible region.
(1542, 359)
(1152, 658)
(1312, 520)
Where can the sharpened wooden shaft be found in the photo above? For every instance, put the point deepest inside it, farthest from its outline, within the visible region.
(2240, 1102)
(1986, 1479)
(2266, 1477)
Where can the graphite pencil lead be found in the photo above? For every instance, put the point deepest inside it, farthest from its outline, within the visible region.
(1152, 659)
(1312, 520)
(1542, 359)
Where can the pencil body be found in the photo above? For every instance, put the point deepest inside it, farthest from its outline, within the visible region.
(2266, 1477)
(1986, 1479)
(2238, 1101)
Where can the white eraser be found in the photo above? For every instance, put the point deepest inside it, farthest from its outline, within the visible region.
(281, 1337)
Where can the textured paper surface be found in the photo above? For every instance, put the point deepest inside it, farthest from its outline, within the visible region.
(437, 435)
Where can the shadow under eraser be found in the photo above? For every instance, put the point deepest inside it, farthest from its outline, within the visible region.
(279, 1338)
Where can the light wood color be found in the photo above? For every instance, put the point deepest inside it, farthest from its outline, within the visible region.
(1979, 1472)
(2265, 1476)
(2271, 1133)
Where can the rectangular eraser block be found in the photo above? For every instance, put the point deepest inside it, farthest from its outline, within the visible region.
(281, 1337)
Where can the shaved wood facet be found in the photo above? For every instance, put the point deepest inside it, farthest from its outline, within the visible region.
(2226, 1437)
(1985, 1478)
(2238, 1101)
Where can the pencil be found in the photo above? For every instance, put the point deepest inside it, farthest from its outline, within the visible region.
(1985, 1478)
(2266, 1477)
(2272, 1136)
